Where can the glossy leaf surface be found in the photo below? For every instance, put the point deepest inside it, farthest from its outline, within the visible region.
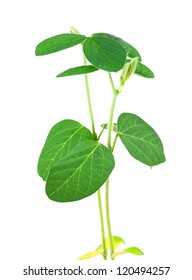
(140, 139)
(81, 173)
(58, 43)
(62, 138)
(104, 53)
(86, 69)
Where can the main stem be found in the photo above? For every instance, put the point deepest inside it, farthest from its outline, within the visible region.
(102, 225)
(95, 138)
(75, 31)
(110, 128)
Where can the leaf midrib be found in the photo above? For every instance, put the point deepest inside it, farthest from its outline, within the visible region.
(144, 155)
(106, 57)
(63, 145)
(140, 139)
(98, 145)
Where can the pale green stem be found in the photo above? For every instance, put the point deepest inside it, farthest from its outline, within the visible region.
(89, 102)
(95, 138)
(110, 128)
(104, 127)
(110, 124)
(114, 143)
(75, 31)
(112, 84)
(102, 225)
(110, 235)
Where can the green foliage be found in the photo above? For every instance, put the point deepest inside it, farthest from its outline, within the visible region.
(58, 43)
(128, 70)
(130, 50)
(72, 162)
(142, 70)
(90, 255)
(61, 140)
(132, 250)
(117, 241)
(99, 250)
(104, 53)
(81, 173)
(86, 69)
(140, 139)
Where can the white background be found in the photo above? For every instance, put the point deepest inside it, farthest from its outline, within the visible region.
(150, 209)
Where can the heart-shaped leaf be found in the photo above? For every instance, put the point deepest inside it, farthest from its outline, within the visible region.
(81, 173)
(86, 69)
(62, 138)
(104, 53)
(58, 43)
(140, 139)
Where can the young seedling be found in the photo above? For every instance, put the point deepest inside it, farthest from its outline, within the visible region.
(73, 163)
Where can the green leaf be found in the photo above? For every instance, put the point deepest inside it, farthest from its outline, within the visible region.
(116, 242)
(78, 70)
(58, 43)
(90, 255)
(130, 50)
(93, 254)
(104, 53)
(133, 52)
(132, 250)
(81, 173)
(140, 139)
(62, 138)
(143, 70)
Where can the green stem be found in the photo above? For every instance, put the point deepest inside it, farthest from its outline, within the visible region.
(110, 128)
(102, 225)
(110, 235)
(114, 143)
(110, 124)
(75, 31)
(95, 138)
(89, 103)
(100, 134)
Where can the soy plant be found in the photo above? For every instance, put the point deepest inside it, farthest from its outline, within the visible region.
(73, 163)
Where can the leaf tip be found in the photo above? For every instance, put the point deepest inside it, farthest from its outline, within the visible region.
(37, 53)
